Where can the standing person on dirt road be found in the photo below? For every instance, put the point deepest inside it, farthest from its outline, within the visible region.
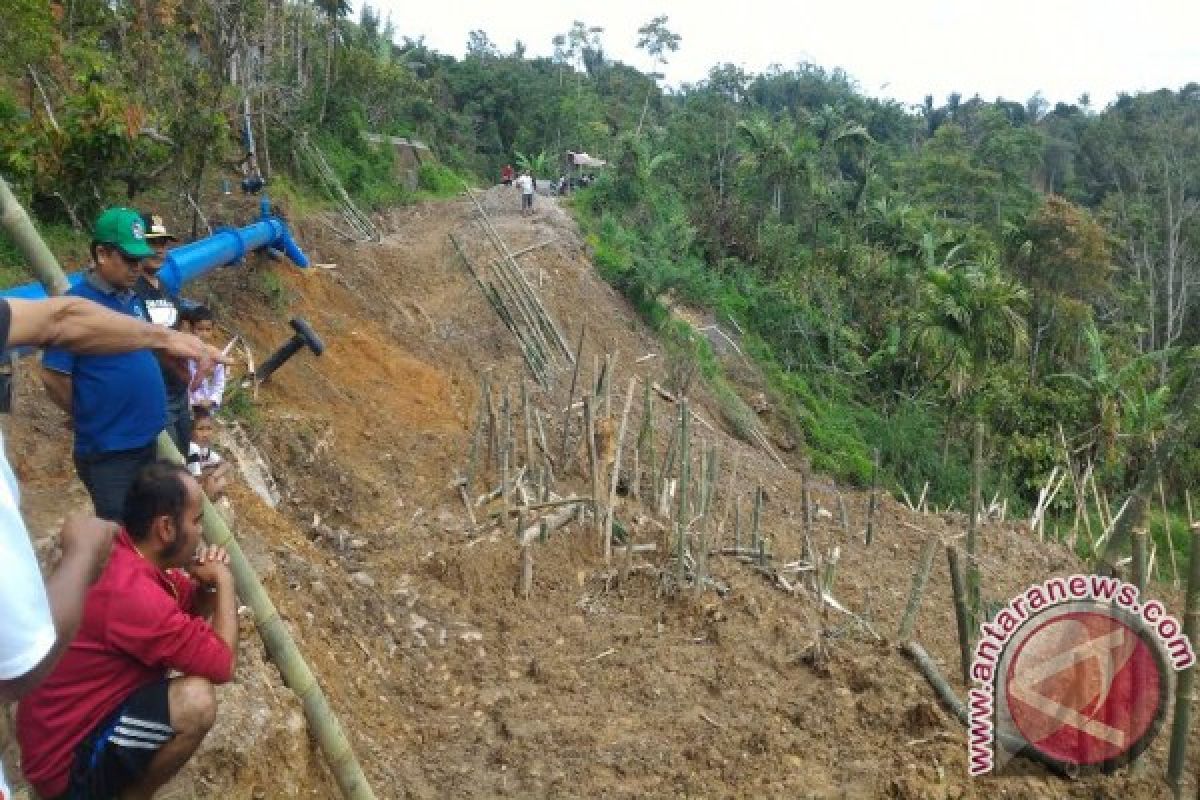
(38, 621)
(109, 722)
(525, 184)
(117, 403)
(164, 309)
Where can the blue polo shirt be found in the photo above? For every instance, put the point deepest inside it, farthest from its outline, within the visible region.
(118, 401)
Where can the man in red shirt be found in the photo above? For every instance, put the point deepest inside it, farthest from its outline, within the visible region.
(108, 722)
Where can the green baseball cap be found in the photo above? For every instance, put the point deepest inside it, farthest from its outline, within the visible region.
(124, 229)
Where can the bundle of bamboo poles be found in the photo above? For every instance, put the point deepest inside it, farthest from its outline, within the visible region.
(517, 303)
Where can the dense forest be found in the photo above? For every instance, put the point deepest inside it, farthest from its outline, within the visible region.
(900, 275)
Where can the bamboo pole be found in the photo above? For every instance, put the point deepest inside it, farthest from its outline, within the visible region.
(525, 412)
(612, 487)
(1162, 496)
(280, 645)
(17, 225)
(1140, 566)
(920, 578)
(962, 616)
(282, 649)
(562, 458)
(873, 500)
(593, 466)
(645, 439)
(973, 579)
(756, 519)
(1181, 724)
(681, 520)
(506, 451)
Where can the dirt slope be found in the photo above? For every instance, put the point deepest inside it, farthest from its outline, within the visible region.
(450, 684)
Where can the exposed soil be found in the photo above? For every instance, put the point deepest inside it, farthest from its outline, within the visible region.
(452, 685)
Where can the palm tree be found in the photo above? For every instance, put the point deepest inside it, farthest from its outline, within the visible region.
(777, 154)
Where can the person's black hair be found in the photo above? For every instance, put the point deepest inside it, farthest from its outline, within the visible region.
(199, 313)
(158, 490)
(201, 412)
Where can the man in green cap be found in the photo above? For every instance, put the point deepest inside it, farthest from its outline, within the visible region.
(117, 403)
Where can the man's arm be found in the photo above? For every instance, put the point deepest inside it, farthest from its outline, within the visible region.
(81, 326)
(86, 542)
(211, 570)
(58, 387)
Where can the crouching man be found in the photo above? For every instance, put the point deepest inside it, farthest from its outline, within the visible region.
(108, 722)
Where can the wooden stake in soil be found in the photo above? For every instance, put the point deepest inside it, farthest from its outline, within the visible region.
(756, 520)
(616, 472)
(806, 499)
(1140, 567)
(844, 517)
(681, 519)
(530, 461)
(593, 465)
(562, 457)
(920, 578)
(1181, 725)
(505, 450)
(873, 501)
(973, 580)
(962, 616)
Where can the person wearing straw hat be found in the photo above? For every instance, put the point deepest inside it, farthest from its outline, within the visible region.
(164, 309)
(117, 403)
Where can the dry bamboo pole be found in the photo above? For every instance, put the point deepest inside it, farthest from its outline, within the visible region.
(562, 457)
(548, 477)
(589, 423)
(756, 519)
(280, 645)
(616, 472)
(608, 380)
(1181, 723)
(526, 551)
(873, 500)
(645, 438)
(920, 578)
(525, 310)
(525, 412)
(504, 251)
(806, 499)
(681, 520)
(974, 589)
(1162, 497)
(506, 451)
(962, 615)
(282, 649)
(1140, 567)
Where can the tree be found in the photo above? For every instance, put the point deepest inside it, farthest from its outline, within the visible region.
(656, 39)
(776, 154)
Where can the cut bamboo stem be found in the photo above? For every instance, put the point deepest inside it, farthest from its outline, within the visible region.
(681, 519)
(962, 616)
(530, 461)
(920, 578)
(1140, 564)
(593, 465)
(1181, 724)
(616, 472)
(873, 500)
(756, 519)
(567, 416)
(974, 591)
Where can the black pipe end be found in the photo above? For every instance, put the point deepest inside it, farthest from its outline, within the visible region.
(308, 335)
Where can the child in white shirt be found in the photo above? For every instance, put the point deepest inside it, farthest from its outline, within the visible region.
(206, 464)
(205, 391)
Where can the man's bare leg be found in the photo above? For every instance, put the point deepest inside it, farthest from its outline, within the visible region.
(193, 706)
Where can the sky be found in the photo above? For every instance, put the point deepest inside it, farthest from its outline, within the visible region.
(903, 49)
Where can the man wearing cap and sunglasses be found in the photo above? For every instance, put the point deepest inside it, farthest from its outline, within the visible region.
(117, 403)
(164, 309)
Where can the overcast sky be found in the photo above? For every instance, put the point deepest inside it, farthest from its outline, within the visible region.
(903, 49)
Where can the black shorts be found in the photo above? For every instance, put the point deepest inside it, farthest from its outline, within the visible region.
(118, 750)
(527, 200)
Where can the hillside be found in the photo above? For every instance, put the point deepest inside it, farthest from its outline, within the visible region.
(449, 682)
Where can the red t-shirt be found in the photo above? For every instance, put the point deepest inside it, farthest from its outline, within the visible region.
(136, 626)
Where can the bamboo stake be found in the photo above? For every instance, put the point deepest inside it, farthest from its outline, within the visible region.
(920, 578)
(842, 514)
(529, 459)
(526, 569)
(562, 458)
(1162, 496)
(612, 486)
(873, 501)
(505, 451)
(547, 471)
(681, 520)
(806, 499)
(756, 519)
(973, 579)
(493, 430)
(962, 616)
(282, 649)
(593, 466)
(1139, 560)
(1181, 724)
(737, 522)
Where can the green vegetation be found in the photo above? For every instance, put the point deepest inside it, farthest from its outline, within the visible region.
(896, 274)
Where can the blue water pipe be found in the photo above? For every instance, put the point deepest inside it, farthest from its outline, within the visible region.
(188, 262)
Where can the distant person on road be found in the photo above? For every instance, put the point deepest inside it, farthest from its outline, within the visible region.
(164, 309)
(110, 721)
(38, 621)
(117, 403)
(506, 175)
(525, 184)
